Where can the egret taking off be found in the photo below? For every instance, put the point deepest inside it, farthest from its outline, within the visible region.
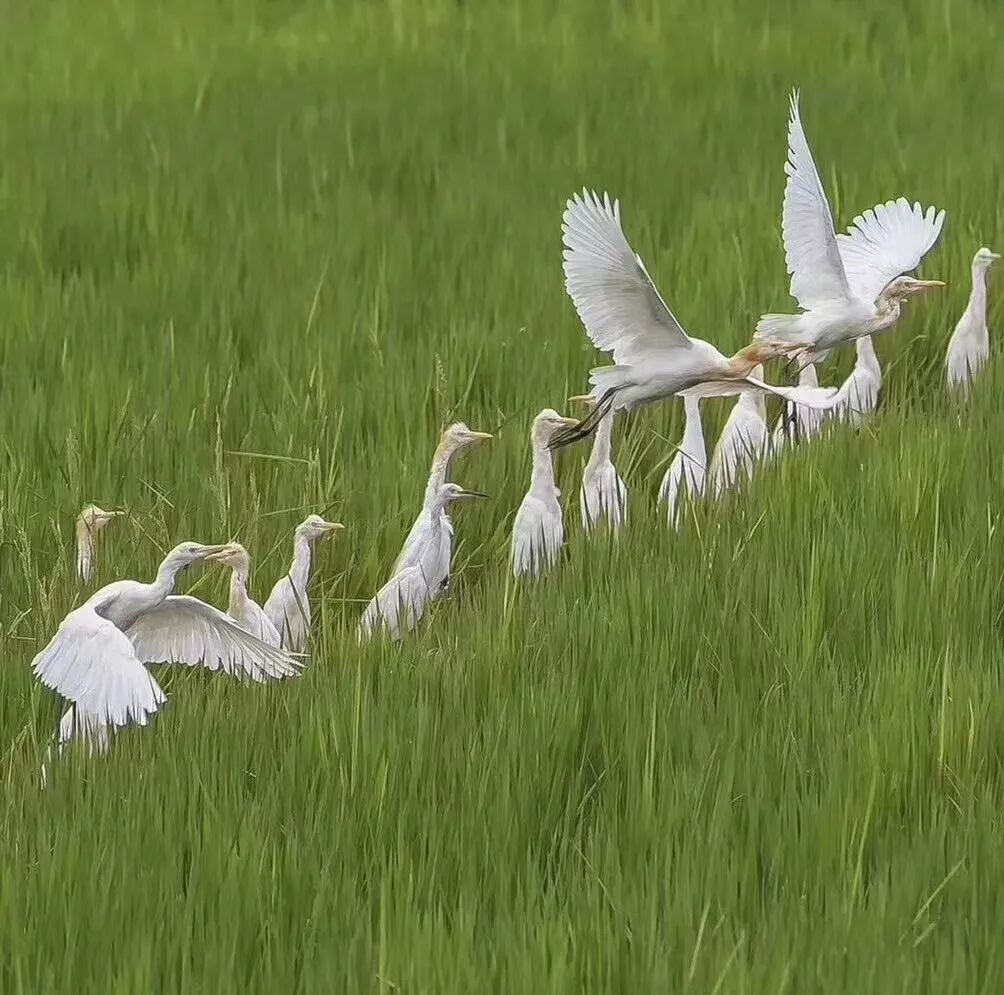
(242, 607)
(744, 441)
(859, 393)
(96, 660)
(538, 532)
(90, 522)
(624, 315)
(688, 470)
(288, 606)
(847, 285)
(603, 496)
(970, 345)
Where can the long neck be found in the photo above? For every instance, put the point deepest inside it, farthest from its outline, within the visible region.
(866, 354)
(239, 596)
(85, 552)
(887, 308)
(978, 295)
(807, 376)
(693, 431)
(167, 577)
(542, 478)
(299, 570)
(601, 444)
(440, 470)
(754, 401)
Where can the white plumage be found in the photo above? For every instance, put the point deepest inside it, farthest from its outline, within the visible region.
(686, 475)
(398, 606)
(744, 441)
(242, 608)
(969, 346)
(90, 523)
(797, 422)
(603, 495)
(858, 396)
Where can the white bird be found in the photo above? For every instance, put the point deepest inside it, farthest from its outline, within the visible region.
(744, 441)
(538, 532)
(859, 393)
(603, 495)
(798, 422)
(688, 470)
(97, 658)
(90, 522)
(402, 601)
(847, 285)
(288, 606)
(242, 607)
(453, 441)
(970, 343)
(624, 315)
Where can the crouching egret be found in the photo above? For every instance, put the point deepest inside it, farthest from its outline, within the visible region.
(859, 393)
(847, 285)
(90, 522)
(688, 469)
(603, 496)
(744, 441)
(538, 533)
(242, 608)
(624, 314)
(288, 606)
(97, 658)
(402, 601)
(970, 343)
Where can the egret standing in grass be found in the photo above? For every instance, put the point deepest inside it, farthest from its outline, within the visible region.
(90, 522)
(744, 441)
(970, 344)
(538, 532)
(288, 606)
(624, 314)
(798, 422)
(847, 285)
(859, 393)
(603, 496)
(242, 608)
(688, 469)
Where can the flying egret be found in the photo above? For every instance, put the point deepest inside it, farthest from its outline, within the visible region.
(402, 601)
(688, 470)
(242, 607)
(970, 344)
(96, 660)
(453, 442)
(90, 522)
(538, 532)
(744, 441)
(859, 393)
(847, 285)
(624, 315)
(603, 496)
(288, 606)
(798, 422)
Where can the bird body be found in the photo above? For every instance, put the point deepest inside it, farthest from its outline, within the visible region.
(969, 346)
(242, 608)
(603, 495)
(688, 469)
(398, 606)
(745, 439)
(859, 393)
(90, 522)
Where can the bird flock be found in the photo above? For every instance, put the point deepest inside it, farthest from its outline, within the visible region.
(849, 286)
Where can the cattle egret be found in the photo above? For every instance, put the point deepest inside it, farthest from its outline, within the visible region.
(603, 496)
(538, 532)
(688, 470)
(744, 441)
(797, 421)
(624, 314)
(970, 344)
(90, 522)
(847, 285)
(242, 607)
(288, 606)
(859, 393)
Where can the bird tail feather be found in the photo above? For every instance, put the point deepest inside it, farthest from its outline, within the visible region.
(786, 328)
(605, 378)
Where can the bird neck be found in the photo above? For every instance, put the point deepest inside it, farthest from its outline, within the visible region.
(807, 376)
(542, 478)
(167, 578)
(753, 401)
(440, 470)
(239, 596)
(867, 359)
(299, 569)
(85, 551)
(601, 443)
(693, 430)
(978, 295)
(887, 308)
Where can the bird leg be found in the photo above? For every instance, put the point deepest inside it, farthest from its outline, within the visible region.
(587, 426)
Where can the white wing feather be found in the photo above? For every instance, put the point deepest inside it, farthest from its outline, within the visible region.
(603, 497)
(399, 604)
(537, 536)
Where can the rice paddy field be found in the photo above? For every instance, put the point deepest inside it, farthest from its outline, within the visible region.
(253, 257)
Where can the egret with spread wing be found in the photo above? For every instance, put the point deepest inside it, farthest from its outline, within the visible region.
(970, 343)
(688, 470)
(847, 285)
(242, 608)
(90, 522)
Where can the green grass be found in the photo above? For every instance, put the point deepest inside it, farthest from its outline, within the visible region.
(762, 755)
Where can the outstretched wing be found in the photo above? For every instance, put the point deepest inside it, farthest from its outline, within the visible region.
(91, 663)
(186, 630)
(886, 242)
(810, 244)
(618, 303)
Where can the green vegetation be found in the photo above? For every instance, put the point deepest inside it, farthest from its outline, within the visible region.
(762, 755)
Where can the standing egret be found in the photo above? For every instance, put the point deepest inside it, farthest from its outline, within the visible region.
(624, 314)
(688, 470)
(288, 606)
(744, 441)
(90, 522)
(970, 344)
(538, 532)
(603, 496)
(96, 660)
(796, 421)
(847, 285)
(402, 601)
(859, 393)
(242, 607)
(453, 441)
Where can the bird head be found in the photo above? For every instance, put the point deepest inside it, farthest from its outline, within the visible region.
(458, 436)
(904, 287)
(547, 423)
(232, 555)
(93, 519)
(454, 492)
(186, 553)
(315, 527)
(985, 258)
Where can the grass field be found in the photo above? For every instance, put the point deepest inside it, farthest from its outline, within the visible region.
(252, 257)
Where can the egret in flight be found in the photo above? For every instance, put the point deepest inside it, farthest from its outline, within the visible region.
(798, 422)
(744, 441)
(288, 606)
(90, 522)
(688, 470)
(538, 532)
(97, 658)
(970, 344)
(242, 608)
(402, 601)
(859, 393)
(603, 496)
(624, 314)
(847, 285)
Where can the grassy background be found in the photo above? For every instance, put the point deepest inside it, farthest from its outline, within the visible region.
(761, 755)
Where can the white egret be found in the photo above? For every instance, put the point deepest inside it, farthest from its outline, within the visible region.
(798, 422)
(970, 343)
(603, 495)
(402, 601)
(96, 660)
(744, 441)
(242, 607)
(288, 606)
(688, 470)
(847, 285)
(624, 315)
(538, 532)
(859, 393)
(453, 442)
(90, 522)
